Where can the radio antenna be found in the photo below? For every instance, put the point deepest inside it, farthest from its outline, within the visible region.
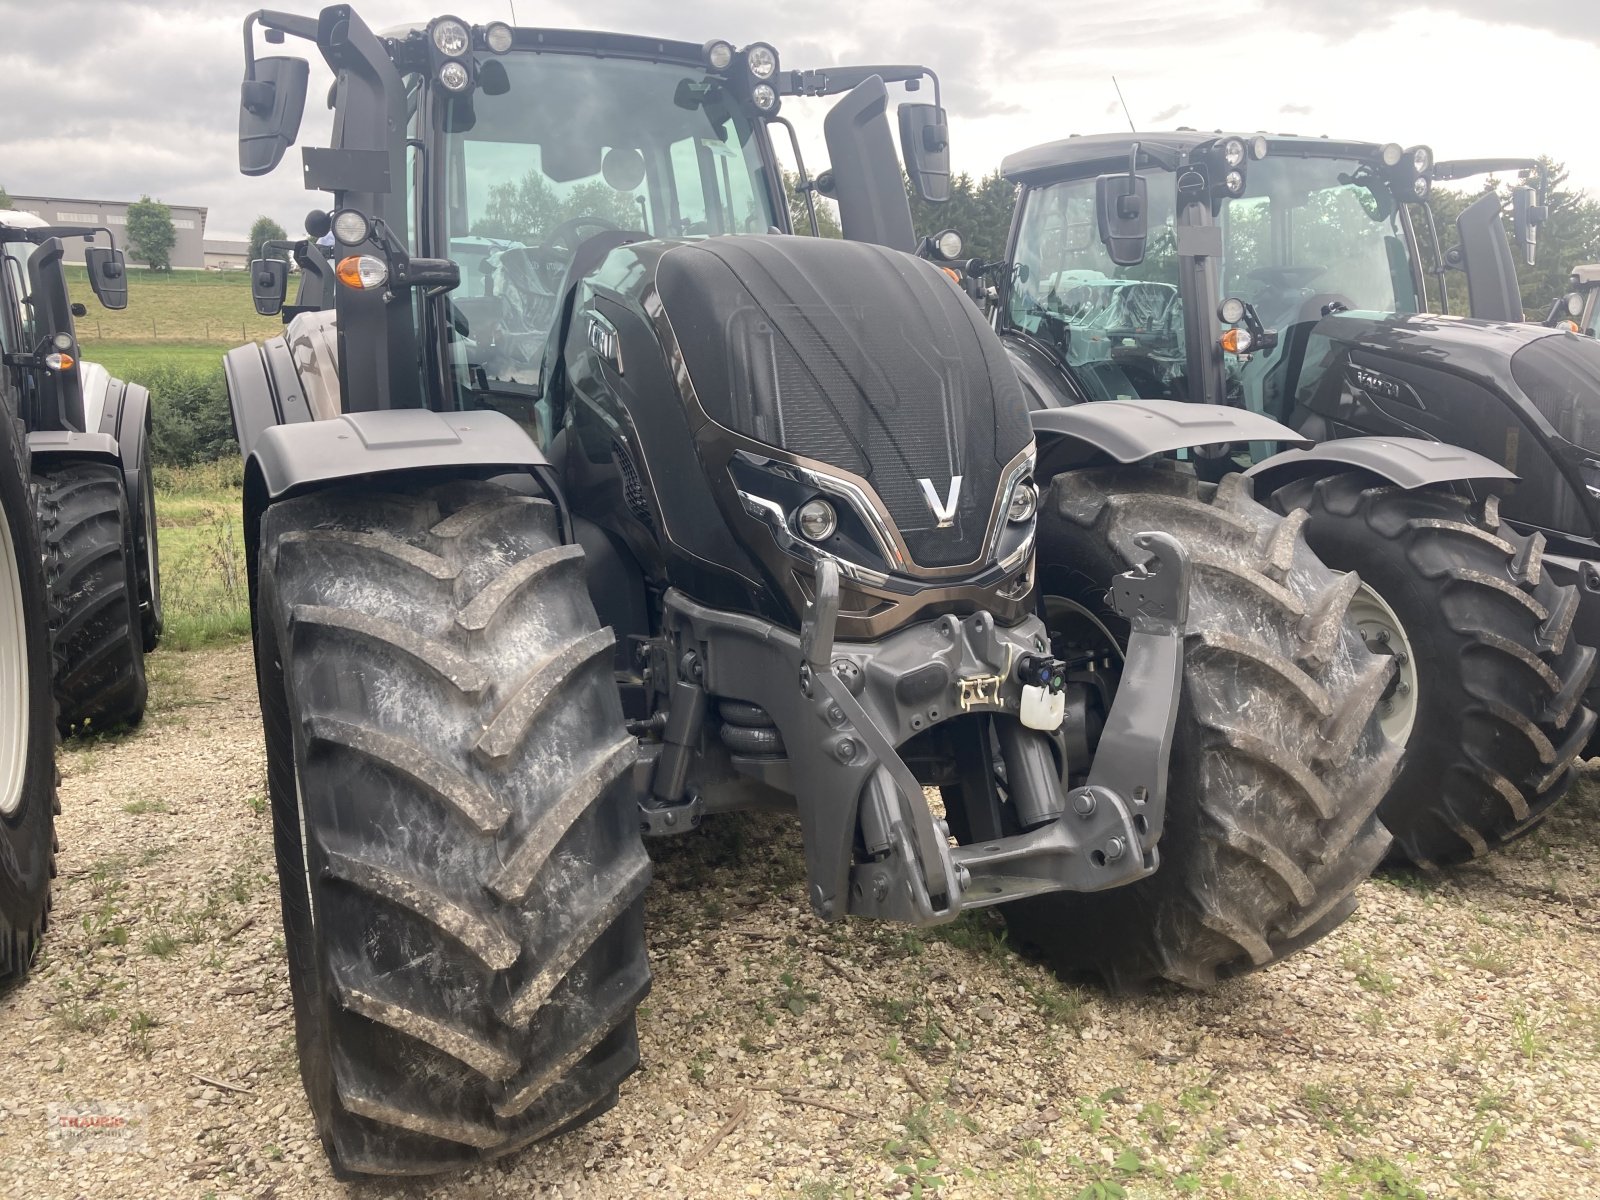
(1124, 104)
(513, 6)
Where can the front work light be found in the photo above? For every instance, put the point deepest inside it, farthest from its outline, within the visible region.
(454, 76)
(1231, 310)
(351, 227)
(1233, 152)
(1234, 182)
(1392, 154)
(947, 244)
(498, 37)
(764, 98)
(451, 38)
(719, 54)
(1421, 159)
(362, 272)
(762, 60)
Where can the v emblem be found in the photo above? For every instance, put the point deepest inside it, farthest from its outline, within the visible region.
(944, 511)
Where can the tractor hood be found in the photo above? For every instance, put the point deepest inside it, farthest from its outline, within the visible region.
(1524, 395)
(860, 359)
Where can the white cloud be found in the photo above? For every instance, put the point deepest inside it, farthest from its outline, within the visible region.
(142, 96)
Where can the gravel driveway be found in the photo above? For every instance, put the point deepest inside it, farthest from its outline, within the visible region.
(1446, 1041)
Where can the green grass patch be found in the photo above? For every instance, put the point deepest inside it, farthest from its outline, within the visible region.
(199, 514)
(138, 361)
(174, 306)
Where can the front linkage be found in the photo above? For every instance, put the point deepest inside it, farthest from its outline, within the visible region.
(834, 714)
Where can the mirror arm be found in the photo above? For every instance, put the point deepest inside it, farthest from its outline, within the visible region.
(806, 186)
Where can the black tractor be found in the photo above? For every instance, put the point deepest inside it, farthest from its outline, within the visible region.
(27, 706)
(583, 502)
(94, 494)
(1281, 277)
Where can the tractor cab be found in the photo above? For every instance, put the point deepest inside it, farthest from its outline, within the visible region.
(1579, 310)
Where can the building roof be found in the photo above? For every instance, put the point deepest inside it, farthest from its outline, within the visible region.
(1099, 153)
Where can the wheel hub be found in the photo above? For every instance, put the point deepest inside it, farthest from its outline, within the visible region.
(1383, 633)
(13, 677)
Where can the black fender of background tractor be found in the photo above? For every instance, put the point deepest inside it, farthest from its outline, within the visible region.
(1127, 431)
(48, 444)
(1405, 462)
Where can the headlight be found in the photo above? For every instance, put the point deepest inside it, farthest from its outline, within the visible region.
(62, 341)
(362, 272)
(1233, 152)
(817, 520)
(351, 227)
(762, 60)
(1231, 310)
(1234, 182)
(718, 54)
(1024, 502)
(498, 37)
(454, 76)
(451, 38)
(947, 244)
(1421, 159)
(1420, 187)
(1392, 154)
(763, 97)
(1258, 147)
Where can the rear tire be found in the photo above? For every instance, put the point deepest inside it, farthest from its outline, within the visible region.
(28, 803)
(1499, 715)
(464, 914)
(1278, 763)
(96, 639)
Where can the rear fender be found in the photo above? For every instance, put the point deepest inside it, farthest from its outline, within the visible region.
(1405, 462)
(1127, 431)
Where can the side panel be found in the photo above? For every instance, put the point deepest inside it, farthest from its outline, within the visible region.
(1127, 431)
(1406, 462)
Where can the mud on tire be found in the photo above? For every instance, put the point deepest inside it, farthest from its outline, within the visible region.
(466, 974)
(28, 804)
(1278, 764)
(1500, 718)
(96, 634)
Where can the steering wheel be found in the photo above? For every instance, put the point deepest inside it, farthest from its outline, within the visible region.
(552, 263)
(1286, 278)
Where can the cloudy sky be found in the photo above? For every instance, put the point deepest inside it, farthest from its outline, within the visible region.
(140, 96)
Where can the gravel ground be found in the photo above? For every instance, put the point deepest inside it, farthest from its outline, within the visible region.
(1445, 1042)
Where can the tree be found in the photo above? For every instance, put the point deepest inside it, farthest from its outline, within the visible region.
(978, 209)
(799, 220)
(263, 231)
(527, 211)
(5, 197)
(150, 233)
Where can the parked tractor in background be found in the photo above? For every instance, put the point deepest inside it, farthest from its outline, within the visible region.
(28, 802)
(1579, 310)
(94, 495)
(1456, 465)
(667, 514)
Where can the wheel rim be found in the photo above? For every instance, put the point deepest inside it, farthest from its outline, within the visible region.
(1383, 633)
(13, 677)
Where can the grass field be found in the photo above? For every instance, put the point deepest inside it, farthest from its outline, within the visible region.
(135, 360)
(201, 530)
(174, 306)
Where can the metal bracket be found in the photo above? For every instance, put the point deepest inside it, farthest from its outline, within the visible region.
(663, 820)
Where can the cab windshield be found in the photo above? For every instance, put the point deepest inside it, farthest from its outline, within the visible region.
(571, 147)
(1307, 235)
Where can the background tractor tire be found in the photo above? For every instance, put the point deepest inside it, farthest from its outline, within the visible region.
(27, 722)
(147, 556)
(464, 915)
(1277, 764)
(96, 639)
(1496, 678)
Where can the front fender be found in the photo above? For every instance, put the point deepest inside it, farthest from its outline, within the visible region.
(1406, 462)
(1126, 431)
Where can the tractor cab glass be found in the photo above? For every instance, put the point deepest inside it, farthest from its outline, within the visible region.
(575, 147)
(1119, 328)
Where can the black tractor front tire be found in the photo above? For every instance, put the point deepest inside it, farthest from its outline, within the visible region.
(1498, 718)
(28, 803)
(459, 854)
(1277, 765)
(96, 637)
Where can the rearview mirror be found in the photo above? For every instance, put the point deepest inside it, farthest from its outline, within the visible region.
(108, 276)
(269, 284)
(1121, 204)
(80, 309)
(1526, 217)
(925, 144)
(271, 101)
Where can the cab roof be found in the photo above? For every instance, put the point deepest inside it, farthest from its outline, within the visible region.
(1099, 153)
(16, 218)
(1586, 275)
